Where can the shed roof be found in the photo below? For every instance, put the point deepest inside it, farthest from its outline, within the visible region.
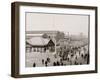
(38, 41)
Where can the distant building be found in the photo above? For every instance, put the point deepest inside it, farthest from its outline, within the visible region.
(51, 34)
(40, 44)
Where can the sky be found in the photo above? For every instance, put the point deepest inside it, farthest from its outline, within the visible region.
(74, 24)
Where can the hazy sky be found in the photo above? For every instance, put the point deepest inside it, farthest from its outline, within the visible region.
(74, 24)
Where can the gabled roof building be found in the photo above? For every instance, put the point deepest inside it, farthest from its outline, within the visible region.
(40, 44)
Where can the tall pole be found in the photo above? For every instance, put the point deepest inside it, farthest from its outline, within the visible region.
(55, 47)
(53, 24)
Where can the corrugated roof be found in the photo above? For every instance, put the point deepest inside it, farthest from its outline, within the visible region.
(41, 32)
(38, 41)
(33, 35)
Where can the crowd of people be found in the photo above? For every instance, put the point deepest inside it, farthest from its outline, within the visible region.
(75, 55)
(72, 56)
